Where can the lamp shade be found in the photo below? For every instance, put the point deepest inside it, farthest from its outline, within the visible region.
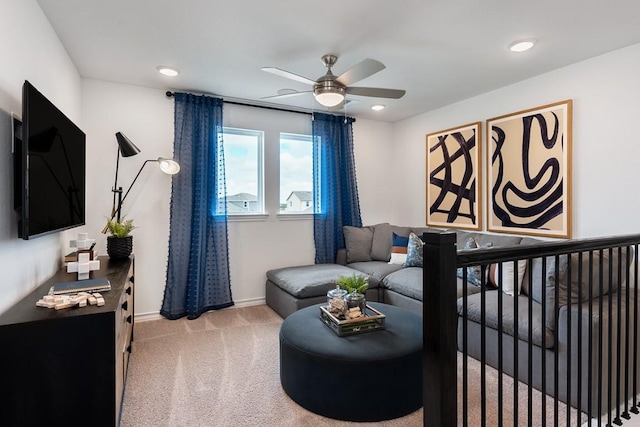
(168, 166)
(127, 148)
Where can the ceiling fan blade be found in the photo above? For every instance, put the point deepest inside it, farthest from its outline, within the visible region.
(288, 75)
(286, 95)
(360, 71)
(376, 92)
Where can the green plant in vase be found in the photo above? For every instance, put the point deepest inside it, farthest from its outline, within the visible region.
(120, 243)
(120, 228)
(356, 285)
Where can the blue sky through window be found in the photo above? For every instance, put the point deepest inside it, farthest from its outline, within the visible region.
(296, 165)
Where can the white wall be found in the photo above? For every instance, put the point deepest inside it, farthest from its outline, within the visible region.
(29, 50)
(606, 107)
(255, 245)
(374, 149)
(145, 116)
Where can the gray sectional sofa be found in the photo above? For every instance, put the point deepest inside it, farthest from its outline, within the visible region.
(368, 251)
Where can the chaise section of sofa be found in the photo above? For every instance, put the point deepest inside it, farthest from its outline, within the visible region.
(289, 289)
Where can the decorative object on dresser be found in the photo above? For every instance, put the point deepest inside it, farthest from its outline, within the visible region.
(120, 243)
(84, 265)
(68, 367)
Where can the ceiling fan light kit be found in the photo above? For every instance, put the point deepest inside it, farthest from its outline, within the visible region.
(330, 90)
(329, 96)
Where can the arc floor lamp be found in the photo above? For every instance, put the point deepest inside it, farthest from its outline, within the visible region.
(126, 148)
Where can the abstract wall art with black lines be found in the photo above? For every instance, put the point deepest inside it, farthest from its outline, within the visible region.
(529, 171)
(454, 197)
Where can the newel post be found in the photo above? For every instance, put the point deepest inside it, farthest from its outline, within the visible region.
(439, 359)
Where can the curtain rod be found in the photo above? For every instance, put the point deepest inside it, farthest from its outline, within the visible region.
(244, 104)
(169, 94)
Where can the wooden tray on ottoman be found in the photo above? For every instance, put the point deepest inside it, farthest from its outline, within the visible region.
(373, 320)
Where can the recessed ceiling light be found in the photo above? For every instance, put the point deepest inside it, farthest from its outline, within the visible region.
(168, 71)
(522, 45)
(377, 107)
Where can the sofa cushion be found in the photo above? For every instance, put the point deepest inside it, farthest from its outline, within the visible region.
(401, 231)
(471, 289)
(406, 281)
(474, 311)
(358, 241)
(543, 283)
(376, 270)
(618, 263)
(419, 231)
(485, 239)
(309, 280)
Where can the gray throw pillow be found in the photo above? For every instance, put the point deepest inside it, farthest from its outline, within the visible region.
(358, 243)
(580, 279)
(381, 245)
(547, 279)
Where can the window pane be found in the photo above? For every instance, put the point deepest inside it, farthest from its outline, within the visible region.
(296, 173)
(243, 169)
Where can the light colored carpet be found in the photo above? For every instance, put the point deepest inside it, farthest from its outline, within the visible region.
(222, 369)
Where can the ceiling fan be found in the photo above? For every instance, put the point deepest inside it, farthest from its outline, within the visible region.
(330, 90)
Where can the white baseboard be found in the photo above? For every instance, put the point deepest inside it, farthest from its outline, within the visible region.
(155, 315)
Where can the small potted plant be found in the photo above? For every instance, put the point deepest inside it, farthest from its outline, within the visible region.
(120, 243)
(356, 285)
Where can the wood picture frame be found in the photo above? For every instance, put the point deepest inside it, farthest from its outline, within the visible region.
(453, 177)
(529, 171)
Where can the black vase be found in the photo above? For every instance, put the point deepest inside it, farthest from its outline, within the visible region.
(119, 247)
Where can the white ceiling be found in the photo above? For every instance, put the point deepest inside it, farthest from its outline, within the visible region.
(439, 51)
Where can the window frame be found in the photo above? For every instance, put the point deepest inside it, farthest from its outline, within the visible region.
(260, 197)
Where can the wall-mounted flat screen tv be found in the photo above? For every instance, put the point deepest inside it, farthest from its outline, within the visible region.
(49, 168)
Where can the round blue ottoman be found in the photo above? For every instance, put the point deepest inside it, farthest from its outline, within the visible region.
(372, 376)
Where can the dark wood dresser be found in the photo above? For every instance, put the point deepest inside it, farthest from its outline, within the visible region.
(68, 367)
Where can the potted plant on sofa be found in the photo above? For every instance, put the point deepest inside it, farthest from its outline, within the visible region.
(120, 243)
(355, 285)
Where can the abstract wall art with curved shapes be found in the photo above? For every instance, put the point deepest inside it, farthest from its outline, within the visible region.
(454, 177)
(529, 171)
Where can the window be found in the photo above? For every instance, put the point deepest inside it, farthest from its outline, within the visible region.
(243, 150)
(296, 173)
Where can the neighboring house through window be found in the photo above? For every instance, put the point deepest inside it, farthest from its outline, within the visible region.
(300, 201)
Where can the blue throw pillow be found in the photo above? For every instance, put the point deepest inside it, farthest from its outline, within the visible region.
(414, 251)
(399, 249)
